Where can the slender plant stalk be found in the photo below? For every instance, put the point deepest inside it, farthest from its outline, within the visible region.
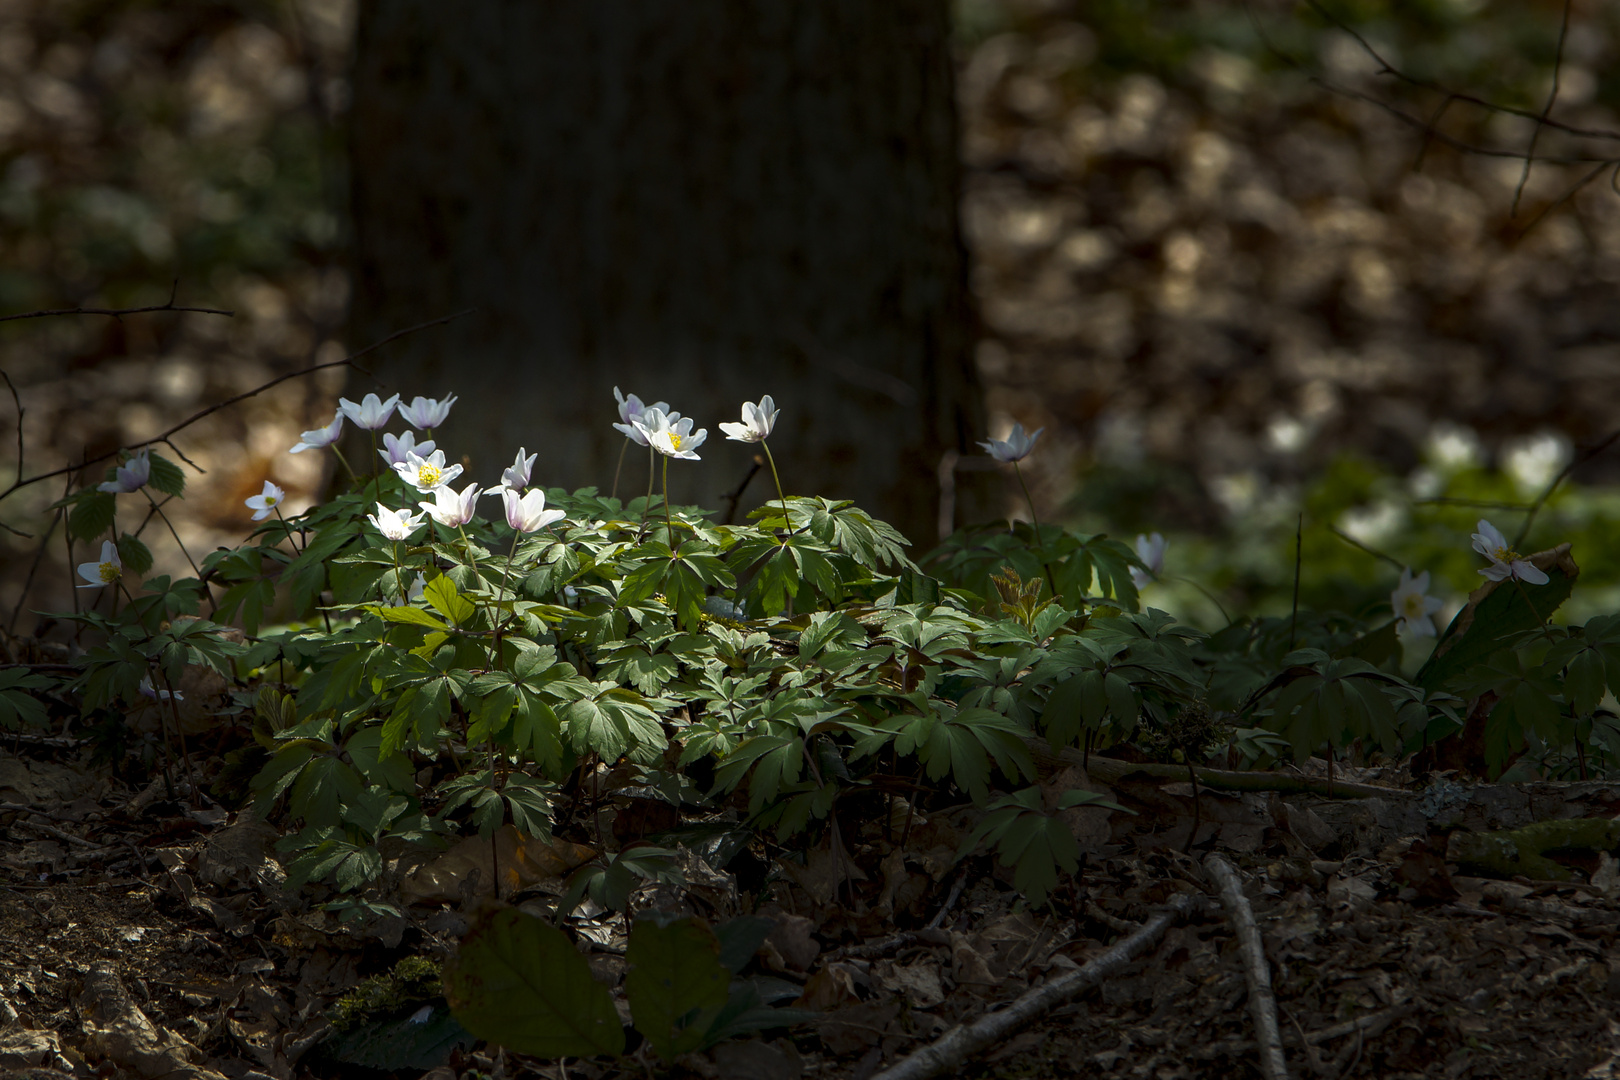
(180, 733)
(1040, 542)
(353, 479)
(288, 526)
(669, 523)
(1299, 554)
(1206, 594)
(787, 521)
(623, 450)
(652, 474)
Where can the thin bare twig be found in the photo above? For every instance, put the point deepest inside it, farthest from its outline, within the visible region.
(1374, 552)
(1262, 1002)
(1429, 127)
(950, 901)
(735, 497)
(117, 313)
(1563, 474)
(164, 437)
(17, 401)
(33, 568)
(1546, 113)
(1386, 68)
(947, 1053)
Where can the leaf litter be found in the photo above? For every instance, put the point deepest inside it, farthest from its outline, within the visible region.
(144, 937)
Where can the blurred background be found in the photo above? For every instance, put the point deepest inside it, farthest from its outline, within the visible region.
(1208, 248)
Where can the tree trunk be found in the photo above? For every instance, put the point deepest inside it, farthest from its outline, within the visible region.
(700, 202)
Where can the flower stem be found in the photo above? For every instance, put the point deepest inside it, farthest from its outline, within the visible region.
(376, 477)
(499, 621)
(652, 473)
(787, 521)
(399, 574)
(623, 450)
(669, 525)
(1040, 543)
(353, 479)
(296, 546)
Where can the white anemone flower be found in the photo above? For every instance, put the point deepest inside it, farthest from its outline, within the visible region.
(517, 477)
(757, 421)
(427, 413)
(147, 690)
(371, 413)
(1505, 562)
(671, 434)
(450, 509)
(1413, 606)
(395, 524)
(108, 570)
(1150, 549)
(631, 409)
(264, 504)
(527, 512)
(132, 475)
(427, 474)
(320, 438)
(397, 449)
(1015, 447)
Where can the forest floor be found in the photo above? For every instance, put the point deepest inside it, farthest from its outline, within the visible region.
(145, 935)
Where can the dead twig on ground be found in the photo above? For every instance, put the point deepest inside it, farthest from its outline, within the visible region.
(950, 901)
(1112, 770)
(1262, 1002)
(1369, 1026)
(947, 1053)
(1096, 913)
(929, 937)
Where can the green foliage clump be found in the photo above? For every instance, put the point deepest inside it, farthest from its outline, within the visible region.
(404, 987)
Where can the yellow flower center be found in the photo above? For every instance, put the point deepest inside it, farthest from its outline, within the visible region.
(1414, 605)
(109, 572)
(430, 475)
(270, 500)
(1505, 554)
(674, 440)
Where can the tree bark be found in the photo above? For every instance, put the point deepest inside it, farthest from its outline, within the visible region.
(700, 202)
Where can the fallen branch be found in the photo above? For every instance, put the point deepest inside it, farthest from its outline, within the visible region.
(1262, 1002)
(1368, 1026)
(1111, 770)
(947, 1053)
(929, 937)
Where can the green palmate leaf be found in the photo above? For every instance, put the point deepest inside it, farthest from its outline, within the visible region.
(167, 477)
(1496, 612)
(529, 800)
(135, 556)
(92, 514)
(1035, 844)
(413, 615)
(1334, 701)
(520, 982)
(442, 594)
(18, 707)
(676, 985)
